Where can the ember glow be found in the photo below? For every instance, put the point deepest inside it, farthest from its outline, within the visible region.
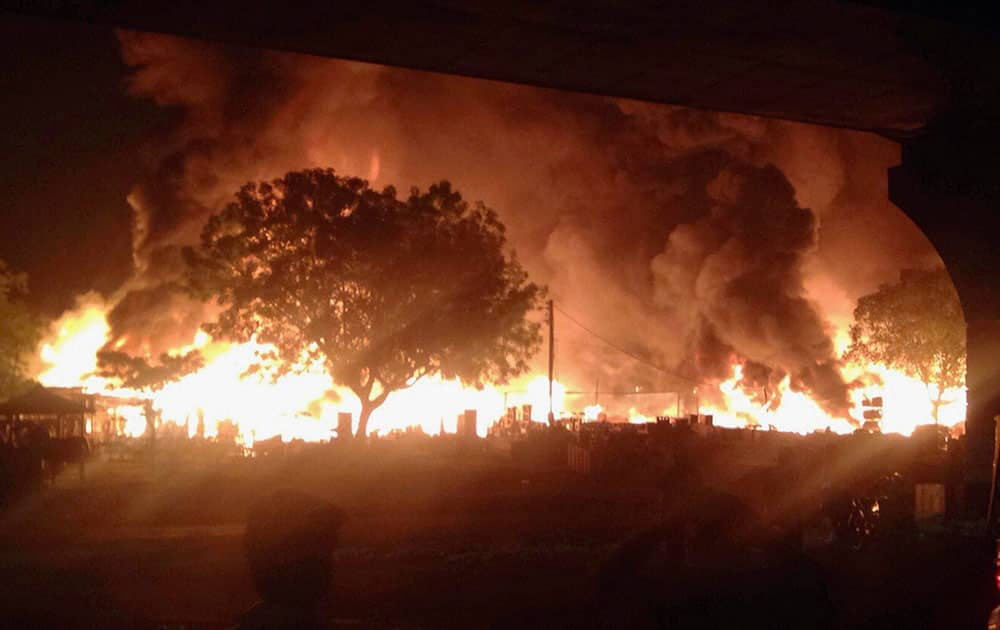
(304, 403)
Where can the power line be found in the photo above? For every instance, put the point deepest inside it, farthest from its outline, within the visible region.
(604, 393)
(623, 350)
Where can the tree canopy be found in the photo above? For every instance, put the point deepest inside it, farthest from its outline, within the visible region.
(138, 373)
(19, 332)
(382, 290)
(914, 325)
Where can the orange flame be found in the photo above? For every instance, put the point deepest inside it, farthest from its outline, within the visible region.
(304, 403)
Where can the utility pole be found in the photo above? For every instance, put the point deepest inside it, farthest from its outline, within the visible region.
(552, 359)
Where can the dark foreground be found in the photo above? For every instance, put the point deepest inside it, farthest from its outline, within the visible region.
(431, 543)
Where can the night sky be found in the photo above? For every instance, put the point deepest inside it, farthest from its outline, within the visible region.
(72, 149)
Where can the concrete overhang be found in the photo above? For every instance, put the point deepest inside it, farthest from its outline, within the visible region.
(837, 64)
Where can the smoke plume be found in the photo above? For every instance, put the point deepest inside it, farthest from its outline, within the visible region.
(733, 281)
(690, 239)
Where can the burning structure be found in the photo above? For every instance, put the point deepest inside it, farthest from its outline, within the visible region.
(692, 253)
(59, 416)
(709, 262)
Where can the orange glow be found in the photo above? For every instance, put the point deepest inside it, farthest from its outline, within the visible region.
(906, 405)
(69, 354)
(907, 401)
(304, 403)
(135, 419)
(797, 412)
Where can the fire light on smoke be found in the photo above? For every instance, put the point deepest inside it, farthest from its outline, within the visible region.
(721, 222)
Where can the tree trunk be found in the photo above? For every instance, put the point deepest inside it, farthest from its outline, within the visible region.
(366, 412)
(936, 405)
(150, 415)
(368, 405)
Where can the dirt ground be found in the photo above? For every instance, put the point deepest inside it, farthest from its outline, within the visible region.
(428, 544)
(424, 546)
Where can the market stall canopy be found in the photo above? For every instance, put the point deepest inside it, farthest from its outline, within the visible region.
(40, 402)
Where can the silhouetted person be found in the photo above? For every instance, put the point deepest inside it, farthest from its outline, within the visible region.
(290, 538)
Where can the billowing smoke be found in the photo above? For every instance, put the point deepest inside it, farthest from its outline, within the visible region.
(732, 280)
(685, 237)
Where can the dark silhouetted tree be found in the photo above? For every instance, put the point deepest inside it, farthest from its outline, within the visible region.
(138, 373)
(382, 290)
(914, 325)
(19, 333)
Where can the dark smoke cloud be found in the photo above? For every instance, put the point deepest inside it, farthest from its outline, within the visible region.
(733, 280)
(160, 316)
(681, 235)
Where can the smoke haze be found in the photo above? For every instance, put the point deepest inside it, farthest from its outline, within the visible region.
(691, 239)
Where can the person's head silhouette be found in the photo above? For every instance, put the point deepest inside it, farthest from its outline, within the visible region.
(289, 541)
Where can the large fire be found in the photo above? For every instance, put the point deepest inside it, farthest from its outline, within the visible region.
(304, 403)
(906, 405)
